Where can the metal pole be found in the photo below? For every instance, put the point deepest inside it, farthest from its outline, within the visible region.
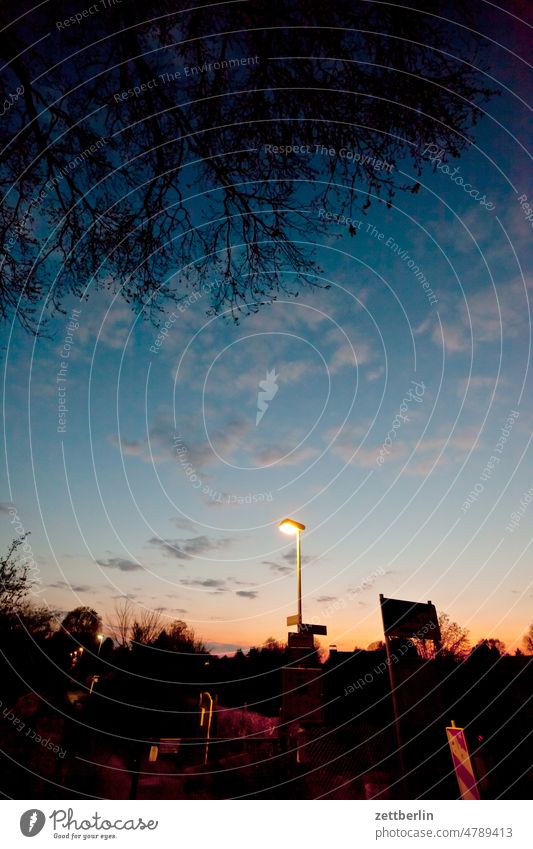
(399, 741)
(299, 574)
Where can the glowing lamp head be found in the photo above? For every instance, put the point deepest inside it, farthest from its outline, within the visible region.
(289, 526)
(100, 637)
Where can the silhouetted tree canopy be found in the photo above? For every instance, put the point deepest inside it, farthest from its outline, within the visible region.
(17, 611)
(132, 143)
(180, 637)
(83, 624)
(15, 580)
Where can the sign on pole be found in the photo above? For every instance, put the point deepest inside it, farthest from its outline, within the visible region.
(312, 629)
(409, 619)
(464, 771)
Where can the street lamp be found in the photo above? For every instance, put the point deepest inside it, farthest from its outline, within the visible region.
(289, 526)
(100, 641)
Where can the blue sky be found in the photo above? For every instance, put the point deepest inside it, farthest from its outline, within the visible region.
(112, 511)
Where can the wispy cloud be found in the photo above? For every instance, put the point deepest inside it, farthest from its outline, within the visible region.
(277, 567)
(188, 549)
(218, 585)
(487, 315)
(120, 563)
(247, 593)
(274, 454)
(76, 588)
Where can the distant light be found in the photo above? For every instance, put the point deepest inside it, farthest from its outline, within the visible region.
(100, 637)
(289, 526)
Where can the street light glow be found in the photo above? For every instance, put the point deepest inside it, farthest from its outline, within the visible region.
(289, 526)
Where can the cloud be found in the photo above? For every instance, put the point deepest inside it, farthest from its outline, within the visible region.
(203, 582)
(276, 567)
(344, 357)
(188, 549)
(247, 593)
(290, 557)
(451, 337)
(122, 564)
(474, 383)
(130, 447)
(241, 583)
(5, 507)
(156, 446)
(442, 449)
(217, 585)
(323, 599)
(111, 326)
(77, 588)
(487, 315)
(274, 454)
(375, 373)
(183, 524)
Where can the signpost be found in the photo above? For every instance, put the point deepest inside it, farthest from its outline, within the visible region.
(464, 771)
(409, 619)
(404, 620)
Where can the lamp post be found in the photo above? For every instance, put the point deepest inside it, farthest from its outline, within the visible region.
(100, 641)
(289, 526)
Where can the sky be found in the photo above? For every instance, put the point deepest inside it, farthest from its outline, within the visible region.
(394, 424)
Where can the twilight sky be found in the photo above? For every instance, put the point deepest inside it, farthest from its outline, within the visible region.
(388, 413)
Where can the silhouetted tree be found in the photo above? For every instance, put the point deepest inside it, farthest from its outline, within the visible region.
(17, 612)
(107, 183)
(528, 641)
(82, 625)
(454, 640)
(124, 615)
(179, 637)
(146, 627)
(15, 581)
(488, 649)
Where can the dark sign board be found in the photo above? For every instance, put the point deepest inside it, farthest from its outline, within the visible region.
(312, 629)
(409, 619)
(301, 641)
